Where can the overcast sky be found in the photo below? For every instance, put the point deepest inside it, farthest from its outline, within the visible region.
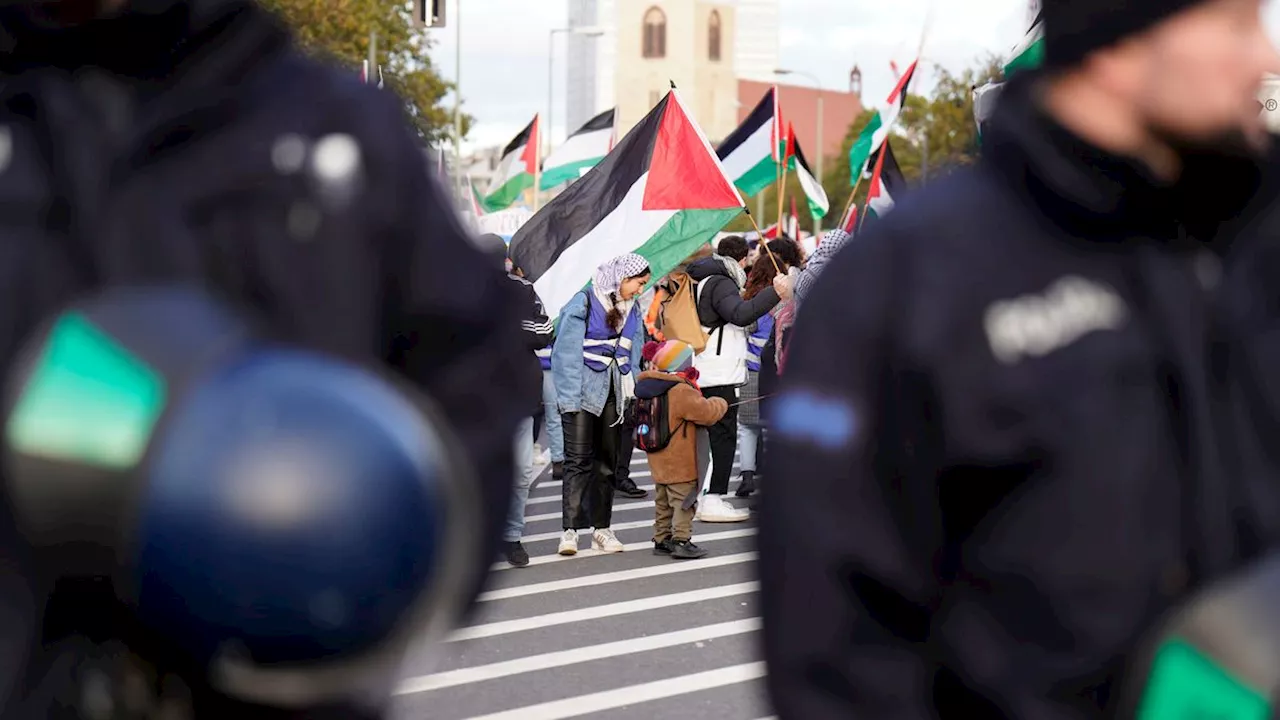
(505, 46)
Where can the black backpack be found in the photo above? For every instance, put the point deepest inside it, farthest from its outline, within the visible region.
(651, 419)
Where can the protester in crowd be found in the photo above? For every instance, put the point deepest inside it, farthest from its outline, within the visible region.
(773, 356)
(598, 342)
(536, 328)
(671, 376)
(787, 255)
(722, 365)
(1009, 439)
(661, 292)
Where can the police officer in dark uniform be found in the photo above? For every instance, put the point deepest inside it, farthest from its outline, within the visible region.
(191, 141)
(1008, 436)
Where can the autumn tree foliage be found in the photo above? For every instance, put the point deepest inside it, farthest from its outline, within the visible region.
(340, 31)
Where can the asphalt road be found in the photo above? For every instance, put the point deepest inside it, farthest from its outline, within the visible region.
(629, 636)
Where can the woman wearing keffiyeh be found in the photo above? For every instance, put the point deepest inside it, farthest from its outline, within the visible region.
(594, 362)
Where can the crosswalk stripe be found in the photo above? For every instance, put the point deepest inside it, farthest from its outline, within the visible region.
(558, 497)
(626, 607)
(618, 576)
(616, 527)
(634, 475)
(630, 547)
(616, 508)
(492, 671)
(633, 694)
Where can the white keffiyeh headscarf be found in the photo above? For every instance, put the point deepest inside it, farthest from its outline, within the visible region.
(608, 280)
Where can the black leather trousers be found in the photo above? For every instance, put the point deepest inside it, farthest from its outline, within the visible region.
(590, 462)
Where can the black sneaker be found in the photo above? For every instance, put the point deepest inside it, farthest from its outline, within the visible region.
(747, 485)
(517, 556)
(686, 550)
(629, 489)
(662, 548)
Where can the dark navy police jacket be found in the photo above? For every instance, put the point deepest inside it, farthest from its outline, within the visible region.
(191, 141)
(1020, 423)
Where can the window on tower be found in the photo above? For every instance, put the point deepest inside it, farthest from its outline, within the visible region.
(655, 33)
(713, 36)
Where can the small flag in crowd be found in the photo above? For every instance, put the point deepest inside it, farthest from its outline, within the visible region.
(581, 151)
(477, 202)
(1029, 53)
(661, 193)
(874, 134)
(516, 169)
(813, 191)
(750, 155)
(887, 184)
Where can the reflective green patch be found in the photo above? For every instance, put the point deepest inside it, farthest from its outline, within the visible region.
(1186, 685)
(89, 400)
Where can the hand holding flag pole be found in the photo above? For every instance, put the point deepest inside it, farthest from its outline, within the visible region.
(764, 243)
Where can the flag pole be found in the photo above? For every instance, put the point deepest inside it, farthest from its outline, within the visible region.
(924, 33)
(537, 159)
(764, 243)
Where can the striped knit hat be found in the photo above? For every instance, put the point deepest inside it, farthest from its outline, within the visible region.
(671, 356)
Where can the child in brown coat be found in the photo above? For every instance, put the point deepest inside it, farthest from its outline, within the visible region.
(672, 450)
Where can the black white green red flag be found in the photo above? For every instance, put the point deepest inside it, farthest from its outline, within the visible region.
(877, 130)
(516, 170)
(661, 193)
(581, 151)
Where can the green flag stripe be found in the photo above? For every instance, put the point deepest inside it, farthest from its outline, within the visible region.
(552, 177)
(760, 176)
(502, 198)
(683, 234)
(862, 148)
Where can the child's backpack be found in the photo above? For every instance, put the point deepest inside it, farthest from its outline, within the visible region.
(651, 419)
(678, 316)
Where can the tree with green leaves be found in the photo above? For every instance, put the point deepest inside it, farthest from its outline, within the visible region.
(340, 30)
(940, 123)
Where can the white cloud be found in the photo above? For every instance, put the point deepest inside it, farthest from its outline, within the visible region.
(505, 46)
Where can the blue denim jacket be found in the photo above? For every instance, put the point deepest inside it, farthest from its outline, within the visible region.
(578, 387)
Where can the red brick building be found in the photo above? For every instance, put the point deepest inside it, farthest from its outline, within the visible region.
(800, 108)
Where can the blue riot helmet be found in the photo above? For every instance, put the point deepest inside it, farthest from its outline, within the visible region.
(287, 520)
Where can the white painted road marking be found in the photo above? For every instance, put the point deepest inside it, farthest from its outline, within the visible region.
(630, 547)
(618, 576)
(621, 697)
(627, 607)
(558, 497)
(545, 661)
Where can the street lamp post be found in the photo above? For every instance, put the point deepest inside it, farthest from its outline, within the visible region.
(551, 73)
(817, 222)
(457, 106)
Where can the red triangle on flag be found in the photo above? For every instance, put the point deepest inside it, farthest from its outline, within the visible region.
(530, 155)
(683, 174)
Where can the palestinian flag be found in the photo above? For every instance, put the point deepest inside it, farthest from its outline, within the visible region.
(887, 183)
(984, 103)
(751, 152)
(813, 192)
(516, 169)
(874, 134)
(582, 151)
(1029, 53)
(661, 193)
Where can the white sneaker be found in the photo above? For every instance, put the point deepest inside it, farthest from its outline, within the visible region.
(606, 541)
(569, 543)
(714, 509)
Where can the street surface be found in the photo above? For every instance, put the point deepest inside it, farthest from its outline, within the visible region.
(629, 636)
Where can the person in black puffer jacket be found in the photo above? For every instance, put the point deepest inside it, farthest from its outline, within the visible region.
(722, 365)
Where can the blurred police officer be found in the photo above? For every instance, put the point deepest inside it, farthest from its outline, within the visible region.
(191, 141)
(1008, 438)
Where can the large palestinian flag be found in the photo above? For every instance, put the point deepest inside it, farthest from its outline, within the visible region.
(582, 151)
(516, 169)
(874, 134)
(661, 192)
